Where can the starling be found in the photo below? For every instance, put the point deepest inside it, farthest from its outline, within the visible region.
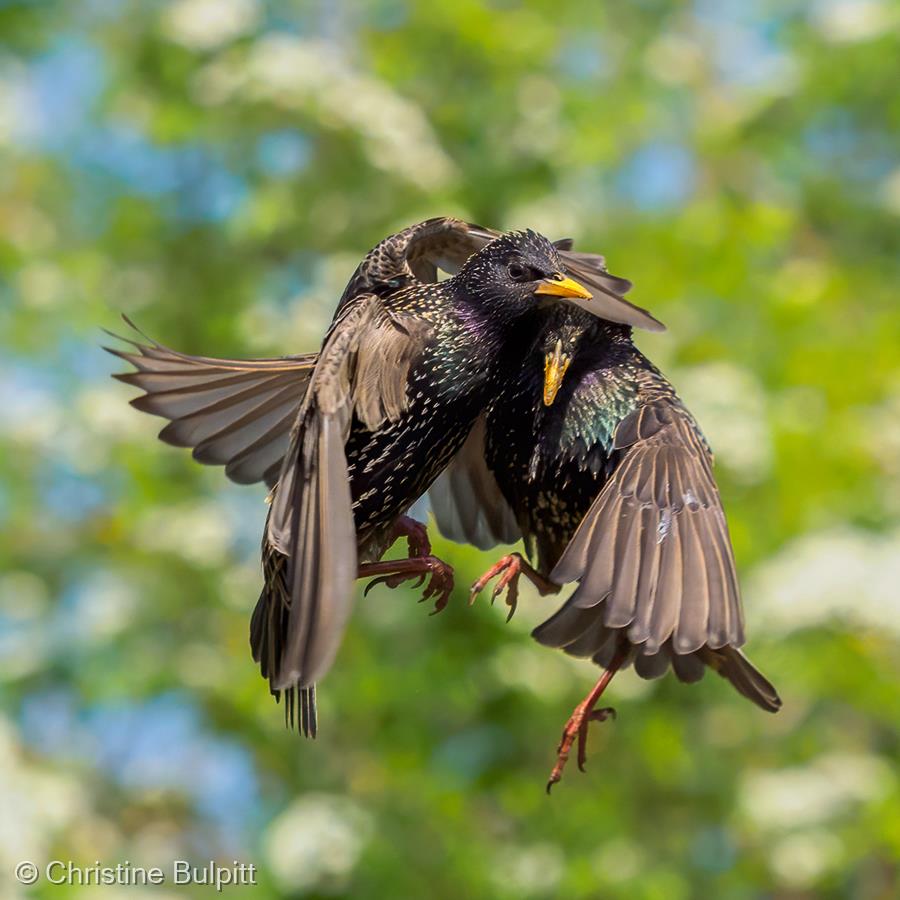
(589, 455)
(350, 438)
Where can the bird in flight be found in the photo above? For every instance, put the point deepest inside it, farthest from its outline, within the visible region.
(514, 395)
(349, 438)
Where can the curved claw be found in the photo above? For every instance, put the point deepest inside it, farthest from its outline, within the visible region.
(436, 572)
(382, 579)
(440, 587)
(508, 568)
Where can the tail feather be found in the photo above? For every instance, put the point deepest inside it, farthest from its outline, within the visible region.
(730, 663)
(267, 627)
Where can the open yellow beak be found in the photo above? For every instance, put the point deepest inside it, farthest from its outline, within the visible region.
(561, 286)
(555, 365)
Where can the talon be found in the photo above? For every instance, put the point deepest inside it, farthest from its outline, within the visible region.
(582, 744)
(509, 568)
(372, 584)
(512, 599)
(430, 571)
(601, 715)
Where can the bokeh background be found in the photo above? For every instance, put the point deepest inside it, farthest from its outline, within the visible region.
(214, 169)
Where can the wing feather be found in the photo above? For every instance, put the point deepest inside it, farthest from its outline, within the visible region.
(467, 502)
(655, 563)
(221, 408)
(361, 372)
(653, 553)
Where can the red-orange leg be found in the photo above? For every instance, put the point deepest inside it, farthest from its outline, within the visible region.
(583, 715)
(509, 568)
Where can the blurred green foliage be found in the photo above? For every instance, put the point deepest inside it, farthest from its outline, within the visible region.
(215, 170)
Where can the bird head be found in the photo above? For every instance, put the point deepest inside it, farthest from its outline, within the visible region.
(558, 345)
(518, 271)
(567, 334)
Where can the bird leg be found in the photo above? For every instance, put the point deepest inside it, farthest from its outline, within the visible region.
(416, 534)
(394, 572)
(509, 568)
(584, 714)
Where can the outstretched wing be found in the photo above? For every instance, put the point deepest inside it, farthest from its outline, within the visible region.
(235, 413)
(466, 500)
(310, 539)
(653, 553)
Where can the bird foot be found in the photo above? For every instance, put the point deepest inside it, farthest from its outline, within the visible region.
(416, 534)
(576, 727)
(394, 572)
(584, 714)
(509, 568)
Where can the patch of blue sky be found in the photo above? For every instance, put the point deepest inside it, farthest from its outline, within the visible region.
(94, 604)
(162, 744)
(283, 153)
(82, 358)
(660, 175)
(388, 15)
(746, 46)
(281, 284)
(212, 194)
(29, 389)
(48, 724)
(68, 495)
(158, 744)
(120, 152)
(244, 508)
(61, 86)
(102, 10)
(199, 185)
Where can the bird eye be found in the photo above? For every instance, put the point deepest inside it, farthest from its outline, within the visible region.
(517, 272)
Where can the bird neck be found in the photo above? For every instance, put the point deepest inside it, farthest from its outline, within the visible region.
(485, 322)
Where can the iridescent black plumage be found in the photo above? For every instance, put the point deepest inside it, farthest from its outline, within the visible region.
(406, 369)
(351, 437)
(610, 485)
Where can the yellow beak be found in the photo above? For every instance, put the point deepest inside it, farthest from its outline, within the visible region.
(555, 365)
(560, 286)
